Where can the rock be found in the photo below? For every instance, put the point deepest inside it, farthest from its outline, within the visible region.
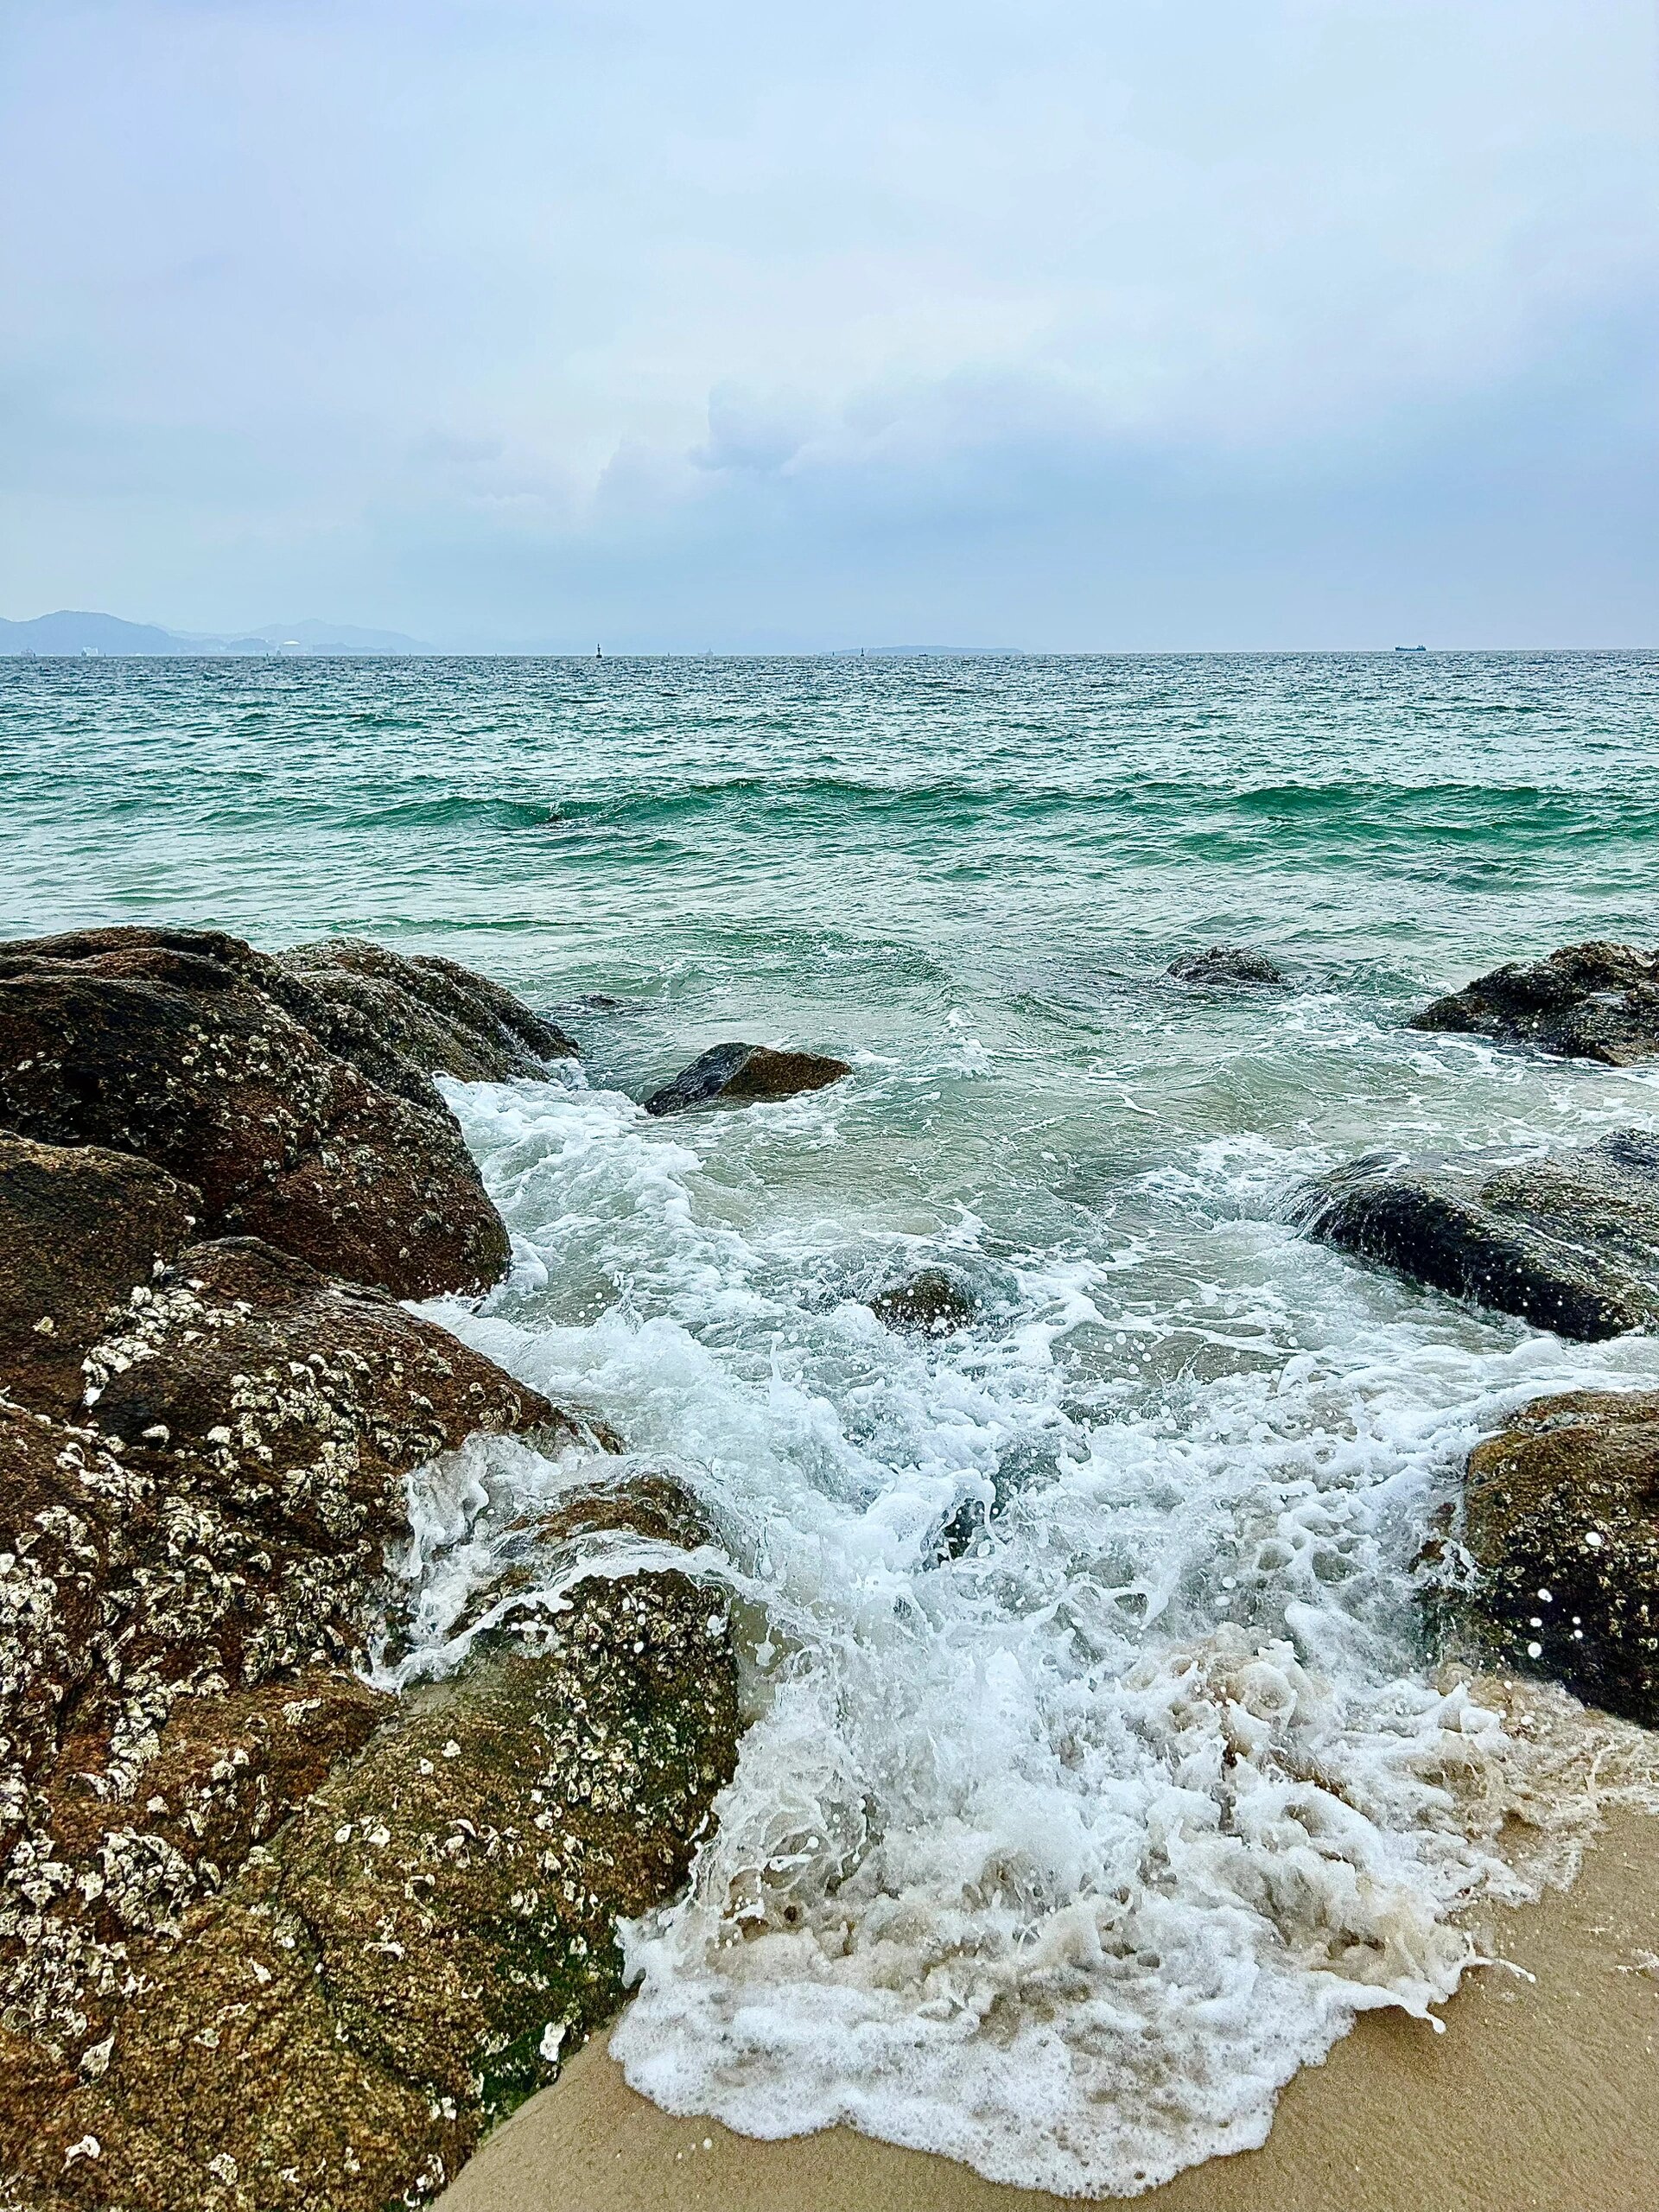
(409, 1957)
(739, 1074)
(932, 1302)
(400, 1021)
(78, 1229)
(216, 1522)
(1227, 963)
(1561, 1517)
(1588, 1001)
(168, 1044)
(1571, 1243)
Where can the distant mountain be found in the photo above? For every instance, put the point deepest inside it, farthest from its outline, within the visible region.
(84, 633)
(74, 633)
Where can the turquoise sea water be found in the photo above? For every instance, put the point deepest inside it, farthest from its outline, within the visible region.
(1058, 1844)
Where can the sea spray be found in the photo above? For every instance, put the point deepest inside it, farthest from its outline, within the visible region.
(1059, 1847)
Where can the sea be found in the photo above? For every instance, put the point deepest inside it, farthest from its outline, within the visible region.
(1104, 1760)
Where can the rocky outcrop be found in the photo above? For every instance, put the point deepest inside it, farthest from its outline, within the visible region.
(268, 1934)
(739, 1075)
(932, 1302)
(289, 1093)
(1571, 1243)
(1561, 1519)
(409, 1955)
(1223, 965)
(1588, 1001)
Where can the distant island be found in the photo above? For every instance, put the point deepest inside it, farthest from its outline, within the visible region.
(74, 633)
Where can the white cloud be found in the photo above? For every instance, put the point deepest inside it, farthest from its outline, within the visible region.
(417, 307)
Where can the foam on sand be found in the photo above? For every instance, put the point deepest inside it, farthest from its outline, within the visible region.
(1098, 1778)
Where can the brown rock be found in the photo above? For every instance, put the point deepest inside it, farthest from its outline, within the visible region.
(168, 1044)
(1594, 1001)
(1561, 1517)
(78, 1229)
(739, 1075)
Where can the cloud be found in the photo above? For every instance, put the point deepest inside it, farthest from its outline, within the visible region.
(701, 326)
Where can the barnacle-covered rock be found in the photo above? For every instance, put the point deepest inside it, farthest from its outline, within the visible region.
(78, 1229)
(247, 1078)
(412, 1954)
(1561, 1518)
(215, 1522)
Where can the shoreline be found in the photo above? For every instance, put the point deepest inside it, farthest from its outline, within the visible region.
(1537, 2098)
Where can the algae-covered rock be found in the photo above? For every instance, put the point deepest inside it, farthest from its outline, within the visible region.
(740, 1075)
(1561, 1517)
(410, 1956)
(1594, 1001)
(80, 1227)
(182, 1047)
(1570, 1243)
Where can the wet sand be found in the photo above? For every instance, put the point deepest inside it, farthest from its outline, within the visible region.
(1540, 2096)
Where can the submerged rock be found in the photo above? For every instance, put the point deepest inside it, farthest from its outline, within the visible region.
(1570, 1243)
(1227, 963)
(932, 1302)
(410, 1956)
(1561, 1518)
(741, 1074)
(247, 1079)
(79, 1228)
(1594, 1001)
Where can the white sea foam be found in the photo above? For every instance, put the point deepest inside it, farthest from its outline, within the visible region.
(1057, 1847)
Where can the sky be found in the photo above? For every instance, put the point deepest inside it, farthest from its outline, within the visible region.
(1063, 325)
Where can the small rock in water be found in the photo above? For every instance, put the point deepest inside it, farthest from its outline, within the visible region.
(1227, 963)
(1588, 1457)
(1570, 1243)
(932, 1302)
(739, 1074)
(1594, 1001)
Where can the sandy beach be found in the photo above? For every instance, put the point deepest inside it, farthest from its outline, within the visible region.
(1540, 2096)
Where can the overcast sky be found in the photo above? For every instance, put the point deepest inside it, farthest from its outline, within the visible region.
(1050, 323)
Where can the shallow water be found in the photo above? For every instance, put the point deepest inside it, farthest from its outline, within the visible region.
(1102, 1765)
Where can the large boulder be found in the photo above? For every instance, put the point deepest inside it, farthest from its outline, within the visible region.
(409, 1957)
(739, 1075)
(1570, 1243)
(291, 1095)
(1592, 1001)
(1561, 1518)
(79, 1228)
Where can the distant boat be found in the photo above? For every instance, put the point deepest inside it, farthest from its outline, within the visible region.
(1411, 649)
